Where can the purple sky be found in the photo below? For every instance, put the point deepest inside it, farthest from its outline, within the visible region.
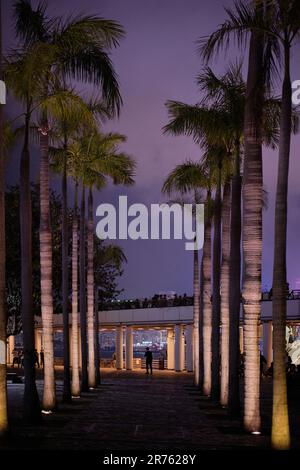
(158, 61)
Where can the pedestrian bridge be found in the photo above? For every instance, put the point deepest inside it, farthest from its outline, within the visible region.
(163, 317)
(177, 321)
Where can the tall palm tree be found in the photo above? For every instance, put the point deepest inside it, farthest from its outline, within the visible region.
(252, 230)
(207, 293)
(75, 48)
(93, 157)
(78, 116)
(235, 282)
(274, 31)
(216, 300)
(202, 123)
(82, 292)
(210, 120)
(108, 255)
(3, 391)
(190, 177)
(90, 292)
(225, 263)
(23, 76)
(227, 93)
(282, 21)
(75, 385)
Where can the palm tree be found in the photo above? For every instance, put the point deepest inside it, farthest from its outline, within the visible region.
(225, 263)
(252, 230)
(93, 157)
(75, 385)
(282, 22)
(227, 93)
(23, 77)
(271, 28)
(108, 255)
(207, 304)
(76, 48)
(214, 120)
(90, 292)
(186, 178)
(82, 292)
(3, 391)
(79, 115)
(216, 301)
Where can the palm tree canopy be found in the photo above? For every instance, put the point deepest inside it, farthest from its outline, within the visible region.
(188, 176)
(219, 116)
(78, 46)
(278, 21)
(94, 157)
(112, 254)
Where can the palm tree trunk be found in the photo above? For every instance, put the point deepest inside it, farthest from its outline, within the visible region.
(280, 417)
(225, 295)
(196, 315)
(207, 306)
(216, 303)
(31, 402)
(252, 231)
(3, 390)
(75, 386)
(90, 293)
(82, 278)
(49, 398)
(65, 288)
(97, 345)
(235, 289)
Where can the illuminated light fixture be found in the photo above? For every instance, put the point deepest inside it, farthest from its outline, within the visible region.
(256, 433)
(91, 388)
(46, 412)
(75, 398)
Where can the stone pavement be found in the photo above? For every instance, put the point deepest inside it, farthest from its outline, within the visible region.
(132, 411)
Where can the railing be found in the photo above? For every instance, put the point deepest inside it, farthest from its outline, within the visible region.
(155, 302)
(290, 295)
(178, 301)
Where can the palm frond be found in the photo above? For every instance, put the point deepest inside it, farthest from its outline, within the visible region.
(185, 178)
(92, 64)
(203, 123)
(31, 25)
(72, 31)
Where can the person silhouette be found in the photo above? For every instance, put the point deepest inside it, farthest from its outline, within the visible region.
(149, 359)
(36, 358)
(42, 357)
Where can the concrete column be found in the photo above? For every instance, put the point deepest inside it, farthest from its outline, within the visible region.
(189, 330)
(241, 340)
(10, 348)
(179, 348)
(119, 347)
(129, 348)
(182, 352)
(38, 340)
(267, 342)
(170, 350)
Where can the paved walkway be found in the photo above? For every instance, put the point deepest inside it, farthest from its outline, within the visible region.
(132, 411)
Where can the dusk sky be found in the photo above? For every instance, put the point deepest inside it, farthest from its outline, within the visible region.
(158, 61)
